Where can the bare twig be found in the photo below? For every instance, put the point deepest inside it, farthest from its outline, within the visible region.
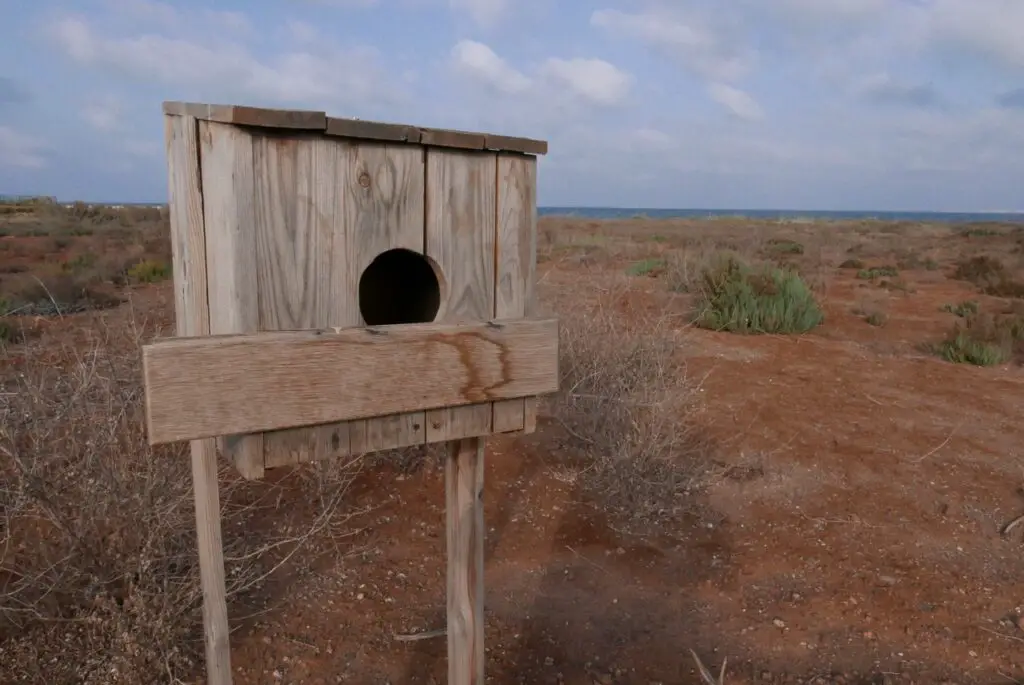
(416, 637)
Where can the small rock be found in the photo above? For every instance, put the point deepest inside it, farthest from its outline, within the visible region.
(778, 623)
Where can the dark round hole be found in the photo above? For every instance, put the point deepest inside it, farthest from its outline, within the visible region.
(399, 286)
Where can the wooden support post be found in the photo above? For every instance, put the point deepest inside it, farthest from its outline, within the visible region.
(211, 562)
(464, 480)
(192, 318)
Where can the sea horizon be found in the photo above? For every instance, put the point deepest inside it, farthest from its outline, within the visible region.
(997, 216)
(597, 213)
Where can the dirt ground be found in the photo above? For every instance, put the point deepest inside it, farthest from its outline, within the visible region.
(849, 525)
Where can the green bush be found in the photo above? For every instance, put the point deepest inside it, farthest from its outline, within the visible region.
(647, 267)
(782, 247)
(149, 271)
(983, 340)
(740, 298)
(963, 309)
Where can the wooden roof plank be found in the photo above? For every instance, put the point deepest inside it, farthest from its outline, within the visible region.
(251, 116)
(361, 129)
(372, 130)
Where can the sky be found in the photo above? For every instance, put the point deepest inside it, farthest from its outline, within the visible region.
(737, 104)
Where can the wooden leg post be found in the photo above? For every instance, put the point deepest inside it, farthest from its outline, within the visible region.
(211, 562)
(464, 479)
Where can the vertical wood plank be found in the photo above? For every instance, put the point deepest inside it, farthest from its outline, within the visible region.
(460, 237)
(464, 479)
(192, 318)
(228, 202)
(295, 197)
(382, 209)
(515, 264)
(368, 198)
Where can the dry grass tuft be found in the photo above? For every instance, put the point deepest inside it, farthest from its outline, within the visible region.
(628, 409)
(98, 569)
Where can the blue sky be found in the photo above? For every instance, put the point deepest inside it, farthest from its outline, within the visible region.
(811, 104)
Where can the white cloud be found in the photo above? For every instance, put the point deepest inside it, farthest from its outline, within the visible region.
(320, 77)
(991, 28)
(20, 151)
(103, 114)
(484, 12)
(592, 79)
(696, 45)
(149, 11)
(736, 101)
(483, 64)
(838, 10)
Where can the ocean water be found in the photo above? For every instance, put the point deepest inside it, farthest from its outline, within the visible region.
(795, 215)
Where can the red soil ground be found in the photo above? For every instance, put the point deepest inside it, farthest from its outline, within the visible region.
(858, 539)
(853, 534)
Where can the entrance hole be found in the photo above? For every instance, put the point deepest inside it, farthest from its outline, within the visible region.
(399, 286)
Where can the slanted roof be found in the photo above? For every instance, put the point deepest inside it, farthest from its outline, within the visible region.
(309, 120)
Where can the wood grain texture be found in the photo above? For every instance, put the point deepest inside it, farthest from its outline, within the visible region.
(202, 387)
(460, 233)
(382, 209)
(464, 481)
(297, 278)
(250, 116)
(192, 318)
(515, 264)
(372, 202)
(228, 189)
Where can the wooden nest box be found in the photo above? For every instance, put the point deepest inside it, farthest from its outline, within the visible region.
(296, 221)
(345, 286)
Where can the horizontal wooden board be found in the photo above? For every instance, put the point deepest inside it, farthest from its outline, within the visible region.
(251, 116)
(231, 384)
(359, 129)
(372, 130)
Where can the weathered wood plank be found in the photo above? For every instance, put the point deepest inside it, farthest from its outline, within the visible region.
(295, 194)
(382, 210)
(192, 318)
(464, 482)
(516, 259)
(228, 191)
(362, 129)
(460, 232)
(202, 387)
(250, 116)
(528, 146)
(372, 130)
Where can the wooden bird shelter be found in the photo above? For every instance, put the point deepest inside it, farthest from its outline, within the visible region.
(345, 286)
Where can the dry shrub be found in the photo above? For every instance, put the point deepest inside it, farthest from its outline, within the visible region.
(61, 293)
(989, 274)
(628, 409)
(99, 579)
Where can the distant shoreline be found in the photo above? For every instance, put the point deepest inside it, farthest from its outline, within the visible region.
(792, 215)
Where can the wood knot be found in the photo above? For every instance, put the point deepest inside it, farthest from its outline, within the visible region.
(364, 180)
